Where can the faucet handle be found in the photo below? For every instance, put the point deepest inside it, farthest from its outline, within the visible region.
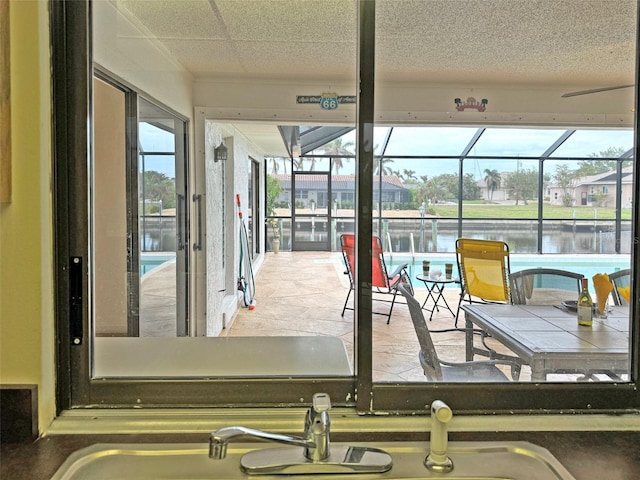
(321, 402)
(317, 413)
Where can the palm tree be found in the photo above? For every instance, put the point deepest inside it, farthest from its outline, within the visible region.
(336, 147)
(275, 165)
(410, 174)
(382, 168)
(298, 163)
(492, 179)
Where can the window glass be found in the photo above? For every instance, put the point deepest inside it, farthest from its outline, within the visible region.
(494, 185)
(451, 161)
(270, 50)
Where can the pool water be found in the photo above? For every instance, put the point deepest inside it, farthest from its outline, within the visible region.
(587, 265)
(149, 261)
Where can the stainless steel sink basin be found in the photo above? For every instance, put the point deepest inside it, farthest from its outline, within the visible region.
(472, 461)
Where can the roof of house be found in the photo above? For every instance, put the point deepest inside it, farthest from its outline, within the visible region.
(606, 178)
(339, 182)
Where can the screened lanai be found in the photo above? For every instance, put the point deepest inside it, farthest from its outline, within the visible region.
(542, 190)
(472, 136)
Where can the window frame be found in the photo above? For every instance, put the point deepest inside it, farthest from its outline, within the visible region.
(71, 104)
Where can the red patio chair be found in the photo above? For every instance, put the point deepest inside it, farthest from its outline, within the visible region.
(382, 282)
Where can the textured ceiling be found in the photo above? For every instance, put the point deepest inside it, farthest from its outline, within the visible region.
(569, 42)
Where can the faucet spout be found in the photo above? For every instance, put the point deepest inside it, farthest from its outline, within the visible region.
(315, 442)
(438, 460)
(316, 457)
(219, 440)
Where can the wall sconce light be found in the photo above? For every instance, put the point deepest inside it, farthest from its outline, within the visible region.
(471, 103)
(220, 153)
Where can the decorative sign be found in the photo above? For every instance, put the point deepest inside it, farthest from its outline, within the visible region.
(471, 103)
(327, 101)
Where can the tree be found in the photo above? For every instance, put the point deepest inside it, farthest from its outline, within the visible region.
(159, 188)
(410, 174)
(565, 180)
(594, 167)
(382, 168)
(273, 192)
(275, 165)
(492, 179)
(522, 184)
(470, 189)
(449, 183)
(431, 191)
(336, 147)
(298, 163)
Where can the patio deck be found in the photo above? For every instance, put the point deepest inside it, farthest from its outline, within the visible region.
(302, 293)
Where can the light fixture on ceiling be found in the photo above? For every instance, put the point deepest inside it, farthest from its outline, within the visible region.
(472, 103)
(220, 153)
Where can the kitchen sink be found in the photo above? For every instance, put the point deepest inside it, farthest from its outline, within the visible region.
(471, 460)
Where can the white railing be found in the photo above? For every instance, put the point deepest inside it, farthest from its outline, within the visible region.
(412, 248)
(389, 246)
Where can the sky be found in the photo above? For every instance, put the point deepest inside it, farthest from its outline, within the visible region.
(154, 139)
(495, 141)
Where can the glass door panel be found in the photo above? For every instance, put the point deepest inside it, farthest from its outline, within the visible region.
(162, 219)
(311, 211)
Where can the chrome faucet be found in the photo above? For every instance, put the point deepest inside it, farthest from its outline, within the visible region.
(438, 460)
(315, 442)
(317, 456)
(317, 426)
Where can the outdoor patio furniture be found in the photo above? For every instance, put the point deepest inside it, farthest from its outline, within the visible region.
(484, 267)
(484, 270)
(544, 286)
(382, 282)
(554, 343)
(438, 370)
(620, 279)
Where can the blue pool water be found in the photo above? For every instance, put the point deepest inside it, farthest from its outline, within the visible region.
(149, 261)
(588, 265)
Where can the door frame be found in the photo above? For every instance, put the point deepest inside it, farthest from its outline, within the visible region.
(301, 245)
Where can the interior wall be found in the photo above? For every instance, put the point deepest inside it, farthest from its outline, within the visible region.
(26, 276)
(223, 182)
(121, 48)
(413, 103)
(110, 203)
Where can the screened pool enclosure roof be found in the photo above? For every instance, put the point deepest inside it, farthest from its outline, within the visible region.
(455, 141)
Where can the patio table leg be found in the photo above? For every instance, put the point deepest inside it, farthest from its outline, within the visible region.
(468, 338)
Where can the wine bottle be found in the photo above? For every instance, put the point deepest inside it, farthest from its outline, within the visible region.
(585, 305)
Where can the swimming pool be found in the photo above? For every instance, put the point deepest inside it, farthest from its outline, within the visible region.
(149, 261)
(588, 265)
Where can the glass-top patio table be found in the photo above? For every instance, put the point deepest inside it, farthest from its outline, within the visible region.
(435, 292)
(549, 339)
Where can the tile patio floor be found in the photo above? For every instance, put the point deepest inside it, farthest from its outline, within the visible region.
(302, 293)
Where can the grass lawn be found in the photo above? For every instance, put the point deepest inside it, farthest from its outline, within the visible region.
(473, 210)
